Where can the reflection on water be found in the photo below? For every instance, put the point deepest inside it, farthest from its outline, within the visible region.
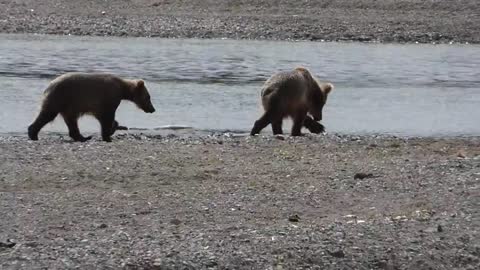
(215, 84)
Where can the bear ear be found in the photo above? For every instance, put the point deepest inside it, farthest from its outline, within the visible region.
(302, 69)
(327, 88)
(140, 83)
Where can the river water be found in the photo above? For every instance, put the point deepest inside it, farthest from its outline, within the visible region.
(407, 90)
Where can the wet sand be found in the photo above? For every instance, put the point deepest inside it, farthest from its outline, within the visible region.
(409, 21)
(225, 202)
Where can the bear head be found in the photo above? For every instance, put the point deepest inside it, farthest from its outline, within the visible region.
(318, 98)
(141, 97)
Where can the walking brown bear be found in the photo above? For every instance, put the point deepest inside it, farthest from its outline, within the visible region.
(75, 94)
(293, 94)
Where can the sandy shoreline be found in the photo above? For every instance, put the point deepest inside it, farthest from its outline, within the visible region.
(406, 21)
(218, 202)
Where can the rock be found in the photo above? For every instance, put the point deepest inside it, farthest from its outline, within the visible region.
(102, 226)
(294, 218)
(461, 154)
(280, 137)
(439, 228)
(157, 262)
(395, 145)
(175, 221)
(362, 175)
(211, 262)
(337, 253)
(7, 244)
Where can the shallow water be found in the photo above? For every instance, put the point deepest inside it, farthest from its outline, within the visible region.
(412, 90)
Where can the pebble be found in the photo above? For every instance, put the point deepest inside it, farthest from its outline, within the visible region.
(337, 253)
(175, 221)
(7, 244)
(294, 218)
(362, 175)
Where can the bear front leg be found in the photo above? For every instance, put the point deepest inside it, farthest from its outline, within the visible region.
(298, 120)
(107, 123)
(313, 126)
(277, 127)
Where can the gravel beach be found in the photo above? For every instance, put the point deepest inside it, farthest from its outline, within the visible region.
(409, 21)
(225, 202)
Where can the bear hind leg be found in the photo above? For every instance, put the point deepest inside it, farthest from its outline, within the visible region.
(44, 117)
(73, 131)
(261, 123)
(277, 126)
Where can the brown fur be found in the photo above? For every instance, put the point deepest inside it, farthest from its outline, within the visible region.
(293, 94)
(75, 94)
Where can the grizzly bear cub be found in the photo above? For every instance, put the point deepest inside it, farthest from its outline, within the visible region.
(293, 94)
(75, 94)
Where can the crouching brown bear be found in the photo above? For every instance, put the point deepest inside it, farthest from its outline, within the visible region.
(295, 94)
(75, 94)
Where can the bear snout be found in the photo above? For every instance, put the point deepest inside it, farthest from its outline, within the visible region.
(151, 109)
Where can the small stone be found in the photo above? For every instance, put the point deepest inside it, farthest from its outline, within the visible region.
(7, 244)
(439, 228)
(104, 12)
(102, 226)
(362, 175)
(395, 145)
(461, 154)
(280, 137)
(175, 221)
(400, 218)
(157, 262)
(337, 253)
(294, 218)
(211, 263)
